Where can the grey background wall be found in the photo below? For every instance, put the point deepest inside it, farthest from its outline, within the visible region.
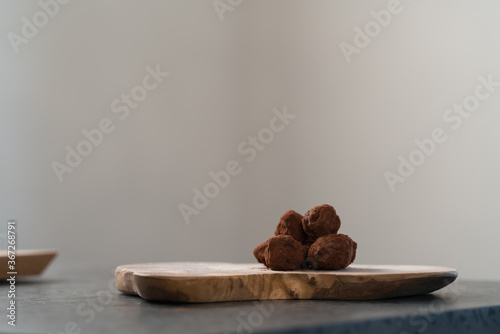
(352, 122)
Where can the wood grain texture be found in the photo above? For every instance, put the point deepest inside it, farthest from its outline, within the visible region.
(28, 262)
(198, 282)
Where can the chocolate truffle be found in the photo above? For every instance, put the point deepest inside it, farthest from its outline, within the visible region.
(331, 252)
(260, 252)
(284, 253)
(291, 224)
(354, 247)
(321, 220)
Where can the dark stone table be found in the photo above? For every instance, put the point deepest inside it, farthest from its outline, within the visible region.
(71, 298)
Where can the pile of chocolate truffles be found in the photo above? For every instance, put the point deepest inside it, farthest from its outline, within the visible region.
(308, 242)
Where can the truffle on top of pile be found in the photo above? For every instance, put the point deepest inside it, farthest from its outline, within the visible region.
(309, 241)
(291, 224)
(321, 220)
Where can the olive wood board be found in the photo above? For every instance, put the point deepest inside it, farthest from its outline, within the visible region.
(28, 262)
(201, 282)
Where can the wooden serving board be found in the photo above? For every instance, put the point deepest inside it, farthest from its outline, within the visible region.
(200, 282)
(28, 262)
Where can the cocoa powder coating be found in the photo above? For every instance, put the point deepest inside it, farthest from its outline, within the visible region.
(332, 252)
(291, 224)
(321, 220)
(283, 252)
(260, 252)
(354, 247)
